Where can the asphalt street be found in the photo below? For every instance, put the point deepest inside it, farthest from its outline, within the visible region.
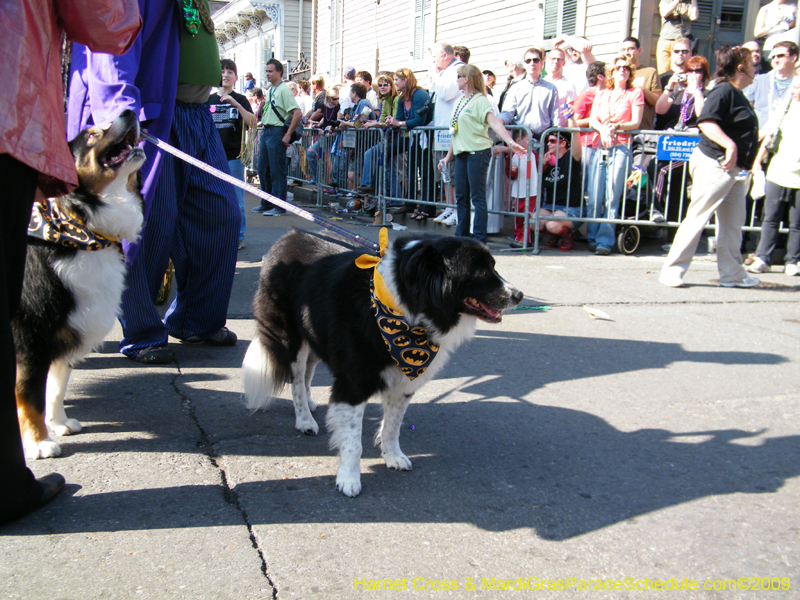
(611, 437)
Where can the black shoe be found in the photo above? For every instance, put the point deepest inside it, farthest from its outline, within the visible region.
(222, 337)
(49, 487)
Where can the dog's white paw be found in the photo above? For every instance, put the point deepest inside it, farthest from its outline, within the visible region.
(348, 483)
(44, 449)
(397, 461)
(308, 426)
(69, 426)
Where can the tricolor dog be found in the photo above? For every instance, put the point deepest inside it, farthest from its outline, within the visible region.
(382, 325)
(74, 276)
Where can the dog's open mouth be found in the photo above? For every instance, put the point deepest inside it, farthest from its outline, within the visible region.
(119, 152)
(483, 312)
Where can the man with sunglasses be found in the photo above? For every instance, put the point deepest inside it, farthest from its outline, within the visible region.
(533, 102)
(771, 92)
(681, 52)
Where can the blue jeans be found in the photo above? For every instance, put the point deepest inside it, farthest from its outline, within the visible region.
(372, 158)
(471, 171)
(608, 177)
(312, 155)
(273, 165)
(237, 170)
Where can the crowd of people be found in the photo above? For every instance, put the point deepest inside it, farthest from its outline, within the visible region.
(163, 63)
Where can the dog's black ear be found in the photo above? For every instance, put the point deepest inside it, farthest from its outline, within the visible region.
(424, 281)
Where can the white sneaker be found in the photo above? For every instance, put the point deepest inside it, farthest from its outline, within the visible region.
(445, 214)
(757, 266)
(669, 280)
(452, 220)
(792, 269)
(747, 282)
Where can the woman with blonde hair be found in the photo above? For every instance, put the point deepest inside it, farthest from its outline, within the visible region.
(618, 108)
(411, 98)
(471, 148)
(387, 95)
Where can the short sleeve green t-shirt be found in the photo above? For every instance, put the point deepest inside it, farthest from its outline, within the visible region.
(471, 134)
(284, 101)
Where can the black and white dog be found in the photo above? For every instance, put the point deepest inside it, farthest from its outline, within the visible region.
(74, 276)
(381, 330)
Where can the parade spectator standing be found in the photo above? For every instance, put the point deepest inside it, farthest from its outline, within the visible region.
(273, 165)
(388, 97)
(345, 104)
(646, 80)
(249, 82)
(318, 92)
(578, 54)
(303, 97)
(523, 177)
(489, 80)
(471, 148)
(327, 120)
(760, 64)
(681, 52)
(365, 78)
(232, 114)
(462, 53)
(728, 145)
(617, 109)
(411, 98)
(678, 108)
(532, 102)
(783, 194)
(516, 73)
(677, 17)
(596, 77)
(771, 92)
(775, 22)
(446, 93)
(34, 154)
(566, 91)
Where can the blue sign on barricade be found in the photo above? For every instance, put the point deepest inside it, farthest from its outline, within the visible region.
(674, 147)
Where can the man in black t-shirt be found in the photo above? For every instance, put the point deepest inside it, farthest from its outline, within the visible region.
(562, 190)
(229, 109)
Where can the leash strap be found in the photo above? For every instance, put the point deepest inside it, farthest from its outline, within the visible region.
(262, 194)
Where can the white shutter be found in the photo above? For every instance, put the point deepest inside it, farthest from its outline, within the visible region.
(423, 28)
(335, 55)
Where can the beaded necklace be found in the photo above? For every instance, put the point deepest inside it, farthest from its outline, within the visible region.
(462, 104)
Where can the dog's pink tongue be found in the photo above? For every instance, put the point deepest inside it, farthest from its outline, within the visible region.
(491, 312)
(121, 157)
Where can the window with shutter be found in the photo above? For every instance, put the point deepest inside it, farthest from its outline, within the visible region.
(424, 29)
(335, 55)
(560, 18)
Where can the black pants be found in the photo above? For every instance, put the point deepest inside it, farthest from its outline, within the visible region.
(18, 185)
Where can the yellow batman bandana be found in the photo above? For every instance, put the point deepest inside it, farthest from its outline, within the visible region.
(52, 224)
(408, 346)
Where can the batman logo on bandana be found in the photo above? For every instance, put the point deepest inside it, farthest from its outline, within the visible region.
(415, 356)
(50, 223)
(392, 326)
(419, 331)
(402, 341)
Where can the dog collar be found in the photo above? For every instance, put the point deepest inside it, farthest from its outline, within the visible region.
(409, 347)
(52, 224)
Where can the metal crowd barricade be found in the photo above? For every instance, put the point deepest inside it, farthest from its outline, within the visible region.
(402, 167)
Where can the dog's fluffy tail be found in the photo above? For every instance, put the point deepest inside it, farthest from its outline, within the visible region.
(260, 378)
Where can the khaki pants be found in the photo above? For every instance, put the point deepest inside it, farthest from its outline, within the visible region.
(713, 190)
(664, 55)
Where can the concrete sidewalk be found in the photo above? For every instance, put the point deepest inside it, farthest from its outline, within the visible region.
(659, 443)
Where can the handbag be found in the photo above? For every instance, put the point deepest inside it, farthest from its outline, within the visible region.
(774, 141)
(286, 123)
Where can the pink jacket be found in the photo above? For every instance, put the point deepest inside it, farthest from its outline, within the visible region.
(32, 123)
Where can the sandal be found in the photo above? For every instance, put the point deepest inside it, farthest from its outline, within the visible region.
(420, 216)
(155, 355)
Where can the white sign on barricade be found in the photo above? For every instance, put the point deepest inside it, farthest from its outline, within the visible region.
(441, 140)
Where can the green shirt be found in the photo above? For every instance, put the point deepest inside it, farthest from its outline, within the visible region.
(284, 101)
(472, 133)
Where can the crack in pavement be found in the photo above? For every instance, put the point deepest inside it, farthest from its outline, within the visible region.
(206, 446)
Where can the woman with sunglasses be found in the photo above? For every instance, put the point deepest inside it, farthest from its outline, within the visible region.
(471, 148)
(617, 109)
(728, 145)
(387, 96)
